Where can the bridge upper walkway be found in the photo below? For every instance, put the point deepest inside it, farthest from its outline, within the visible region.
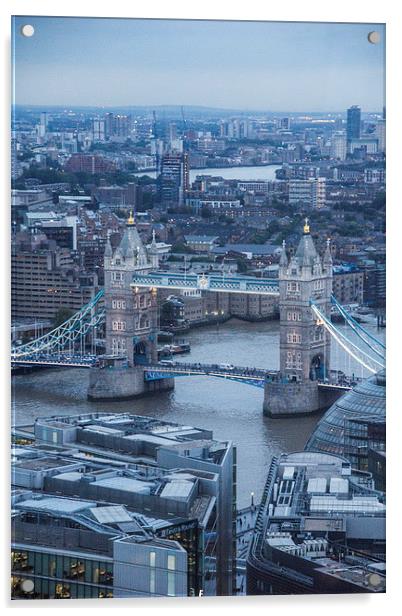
(207, 282)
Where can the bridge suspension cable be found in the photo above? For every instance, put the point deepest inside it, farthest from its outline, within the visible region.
(352, 349)
(76, 327)
(358, 329)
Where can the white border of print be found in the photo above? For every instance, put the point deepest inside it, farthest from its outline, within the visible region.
(292, 10)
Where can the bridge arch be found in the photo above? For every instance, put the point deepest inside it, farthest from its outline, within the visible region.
(317, 367)
(141, 352)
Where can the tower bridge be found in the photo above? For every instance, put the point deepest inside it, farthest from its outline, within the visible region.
(127, 306)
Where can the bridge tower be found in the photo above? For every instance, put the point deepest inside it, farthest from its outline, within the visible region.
(131, 322)
(304, 343)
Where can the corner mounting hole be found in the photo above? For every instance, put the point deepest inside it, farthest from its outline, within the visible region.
(27, 30)
(373, 37)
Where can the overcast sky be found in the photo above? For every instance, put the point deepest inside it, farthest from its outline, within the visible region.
(241, 65)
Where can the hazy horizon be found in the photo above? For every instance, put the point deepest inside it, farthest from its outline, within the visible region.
(150, 106)
(228, 65)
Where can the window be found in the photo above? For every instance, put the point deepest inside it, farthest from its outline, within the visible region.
(171, 562)
(294, 338)
(294, 315)
(118, 346)
(119, 304)
(119, 326)
(294, 360)
(152, 559)
(171, 575)
(117, 276)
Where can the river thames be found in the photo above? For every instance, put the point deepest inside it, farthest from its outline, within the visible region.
(261, 172)
(232, 410)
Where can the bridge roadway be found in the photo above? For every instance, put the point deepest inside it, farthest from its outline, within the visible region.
(170, 369)
(207, 282)
(54, 360)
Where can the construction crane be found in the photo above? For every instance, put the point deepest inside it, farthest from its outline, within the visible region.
(184, 129)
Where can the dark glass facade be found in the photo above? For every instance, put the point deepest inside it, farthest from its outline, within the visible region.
(191, 538)
(57, 576)
(353, 123)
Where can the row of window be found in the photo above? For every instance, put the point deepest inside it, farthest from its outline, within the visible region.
(294, 338)
(119, 326)
(48, 589)
(120, 304)
(118, 346)
(293, 360)
(171, 579)
(140, 302)
(62, 567)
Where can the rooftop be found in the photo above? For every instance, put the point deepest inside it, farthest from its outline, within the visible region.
(318, 509)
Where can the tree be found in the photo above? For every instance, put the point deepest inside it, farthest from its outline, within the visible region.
(62, 314)
(206, 212)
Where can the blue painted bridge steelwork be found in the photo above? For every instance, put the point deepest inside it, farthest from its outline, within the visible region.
(256, 377)
(249, 376)
(55, 360)
(207, 282)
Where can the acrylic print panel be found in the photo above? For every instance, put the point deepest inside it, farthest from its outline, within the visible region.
(198, 308)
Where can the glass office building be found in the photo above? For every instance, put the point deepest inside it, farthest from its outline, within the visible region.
(354, 424)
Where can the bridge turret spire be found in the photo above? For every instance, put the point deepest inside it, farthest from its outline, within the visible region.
(327, 261)
(153, 251)
(283, 261)
(108, 247)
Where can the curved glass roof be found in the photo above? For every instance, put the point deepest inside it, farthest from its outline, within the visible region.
(365, 402)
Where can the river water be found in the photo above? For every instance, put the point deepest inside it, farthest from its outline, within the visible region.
(232, 410)
(265, 172)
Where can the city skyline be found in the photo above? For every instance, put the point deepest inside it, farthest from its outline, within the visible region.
(187, 62)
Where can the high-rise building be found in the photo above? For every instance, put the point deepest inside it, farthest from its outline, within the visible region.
(122, 126)
(43, 124)
(236, 129)
(338, 146)
(117, 125)
(89, 163)
(353, 123)
(15, 166)
(43, 280)
(380, 134)
(99, 130)
(174, 178)
(311, 192)
(109, 124)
